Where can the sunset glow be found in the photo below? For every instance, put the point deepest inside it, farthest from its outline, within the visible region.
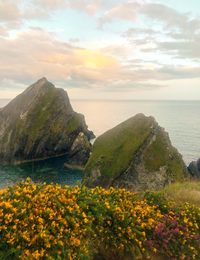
(145, 49)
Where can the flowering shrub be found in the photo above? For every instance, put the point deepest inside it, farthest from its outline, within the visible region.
(53, 222)
(177, 234)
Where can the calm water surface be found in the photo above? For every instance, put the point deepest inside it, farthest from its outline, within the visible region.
(180, 118)
(51, 170)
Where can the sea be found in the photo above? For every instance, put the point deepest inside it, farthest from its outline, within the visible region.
(180, 119)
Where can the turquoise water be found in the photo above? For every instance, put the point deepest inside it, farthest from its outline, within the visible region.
(180, 119)
(51, 170)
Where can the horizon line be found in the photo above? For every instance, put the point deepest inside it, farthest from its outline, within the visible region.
(82, 99)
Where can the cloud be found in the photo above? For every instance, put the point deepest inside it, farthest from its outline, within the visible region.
(146, 56)
(90, 7)
(118, 50)
(23, 61)
(181, 49)
(87, 6)
(173, 33)
(9, 10)
(126, 11)
(96, 59)
(162, 13)
(50, 4)
(10, 16)
(3, 31)
(14, 14)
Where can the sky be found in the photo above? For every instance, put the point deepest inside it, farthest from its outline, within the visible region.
(116, 49)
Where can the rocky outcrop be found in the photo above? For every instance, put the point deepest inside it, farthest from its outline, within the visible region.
(40, 123)
(79, 152)
(194, 168)
(137, 155)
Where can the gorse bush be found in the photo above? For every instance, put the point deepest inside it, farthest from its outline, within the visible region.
(53, 222)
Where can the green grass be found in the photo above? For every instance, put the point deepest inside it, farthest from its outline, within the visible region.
(156, 149)
(48, 116)
(74, 123)
(114, 150)
(186, 192)
(43, 113)
(37, 118)
(161, 153)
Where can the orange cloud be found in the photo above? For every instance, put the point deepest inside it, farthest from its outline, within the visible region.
(95, 59)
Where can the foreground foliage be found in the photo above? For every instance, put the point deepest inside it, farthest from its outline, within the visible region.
(183, 192)
(52, 222)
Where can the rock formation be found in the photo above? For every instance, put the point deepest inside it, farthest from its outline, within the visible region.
(79, 152)
(137, 155)
(40, 123)
(194, 168)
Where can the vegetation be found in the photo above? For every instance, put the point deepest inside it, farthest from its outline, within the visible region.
(39, 119)
(131, 152)
(159, 154)
(113, 151)
(186, 192)
(39, 123)
(39, 221)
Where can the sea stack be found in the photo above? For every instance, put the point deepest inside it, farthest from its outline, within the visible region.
(194, 169)
(136, 155)
(40, 123)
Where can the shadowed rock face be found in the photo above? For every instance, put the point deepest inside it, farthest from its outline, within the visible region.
(194, 168)
(137, 155)
(38, 124)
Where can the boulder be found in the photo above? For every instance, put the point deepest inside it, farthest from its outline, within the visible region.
(194, 169)
(136, 155)
(40, 123)
(79, 152)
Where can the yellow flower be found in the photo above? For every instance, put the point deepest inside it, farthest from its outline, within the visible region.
(155, 250)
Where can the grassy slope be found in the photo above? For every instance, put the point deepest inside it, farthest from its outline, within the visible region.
(183, 192)
(161, 153)
(114, 150)
(39, 118)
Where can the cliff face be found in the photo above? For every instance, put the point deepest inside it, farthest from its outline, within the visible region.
(194, 169)
(137, 155)
(39, 123)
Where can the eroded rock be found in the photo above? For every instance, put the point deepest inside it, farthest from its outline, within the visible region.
(137, 155)
(40, 123)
